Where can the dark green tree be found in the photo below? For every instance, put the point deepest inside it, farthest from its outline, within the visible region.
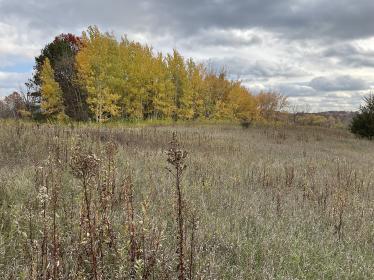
(363, 122)
(61, 54)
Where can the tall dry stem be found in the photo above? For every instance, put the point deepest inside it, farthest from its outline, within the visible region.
(85, 166)
(177, 157)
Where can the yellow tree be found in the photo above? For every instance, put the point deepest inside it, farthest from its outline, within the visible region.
(133, 72)
(243, 105)
(216, 97)
(196, 75)
(160, 91)
(99, 71)
(52, 103)
(147, 91)
(182, 88)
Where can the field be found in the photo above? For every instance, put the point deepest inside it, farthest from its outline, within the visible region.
(89, 202)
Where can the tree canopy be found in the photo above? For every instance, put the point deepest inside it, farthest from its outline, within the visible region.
(95, 76)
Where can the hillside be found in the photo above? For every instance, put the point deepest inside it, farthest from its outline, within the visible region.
(343, 116)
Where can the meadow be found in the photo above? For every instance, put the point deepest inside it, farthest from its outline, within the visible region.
(264, 202)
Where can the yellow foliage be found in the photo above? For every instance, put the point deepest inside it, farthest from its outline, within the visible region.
(243, 104)
(99, 72)
(52, 104)
(182, 87)
(126, 79)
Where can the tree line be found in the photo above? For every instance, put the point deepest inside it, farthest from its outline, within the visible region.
(97, 77)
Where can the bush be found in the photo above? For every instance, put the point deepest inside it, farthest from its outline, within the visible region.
(245, 123)
(363, 123)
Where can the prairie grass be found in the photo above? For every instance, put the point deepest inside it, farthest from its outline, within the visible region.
(88, 202)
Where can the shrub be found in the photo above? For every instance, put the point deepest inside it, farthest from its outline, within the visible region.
(245, 123)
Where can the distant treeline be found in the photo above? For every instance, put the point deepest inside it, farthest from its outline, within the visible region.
(96, 77)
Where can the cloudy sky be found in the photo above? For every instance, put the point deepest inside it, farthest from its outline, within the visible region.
(317, 52)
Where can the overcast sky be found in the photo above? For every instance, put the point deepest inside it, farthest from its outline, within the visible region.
(317, 52)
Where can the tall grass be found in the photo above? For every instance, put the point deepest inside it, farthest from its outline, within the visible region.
(87, 202)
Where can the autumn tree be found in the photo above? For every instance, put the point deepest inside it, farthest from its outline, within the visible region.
(182, 88)
(97, 76)
(133, 71)
(147, 88)
(13, 106)
(269, 103)
(242, 104)
(51, 94)
(162, 88)
(157, 87)
(196, 76)
(216, 97)
(99, 73)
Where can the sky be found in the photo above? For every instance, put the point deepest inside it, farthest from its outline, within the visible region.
(319, 53)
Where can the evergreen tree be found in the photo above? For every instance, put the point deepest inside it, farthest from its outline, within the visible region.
(363, 123)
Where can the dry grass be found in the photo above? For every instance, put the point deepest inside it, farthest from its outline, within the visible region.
(258, 203)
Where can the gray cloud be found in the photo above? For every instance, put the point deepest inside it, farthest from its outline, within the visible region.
(351, 55)
(230, 38)
(269, 44)
(302, 93)
(297, 90)
(349, 102)
(11, 81)
(340, 83)
(253, 70)
(295, 19)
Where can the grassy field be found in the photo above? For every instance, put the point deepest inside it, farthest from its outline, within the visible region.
(258, 203)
